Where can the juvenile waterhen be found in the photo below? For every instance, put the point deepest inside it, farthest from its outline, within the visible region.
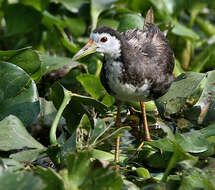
(137, 66)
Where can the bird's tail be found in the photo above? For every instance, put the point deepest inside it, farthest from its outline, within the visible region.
(149, 17)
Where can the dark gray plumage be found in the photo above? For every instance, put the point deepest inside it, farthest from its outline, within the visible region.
(146, 56)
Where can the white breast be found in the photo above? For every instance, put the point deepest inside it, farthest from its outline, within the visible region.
(124, 91)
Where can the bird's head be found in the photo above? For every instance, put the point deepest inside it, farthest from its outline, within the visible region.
(102, 40)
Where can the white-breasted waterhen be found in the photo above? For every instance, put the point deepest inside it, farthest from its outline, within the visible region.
(137, 66)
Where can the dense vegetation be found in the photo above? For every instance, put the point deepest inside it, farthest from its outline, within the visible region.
(57, 121)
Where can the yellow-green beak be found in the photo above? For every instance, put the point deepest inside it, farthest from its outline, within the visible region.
(89, 48)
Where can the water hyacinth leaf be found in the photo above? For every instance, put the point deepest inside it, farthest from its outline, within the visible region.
(19, 96)
(28, 60)
(102, 155)
(51, 178)
(103, 178)
(13, 135)
(193, 144)
(109, 22)
(28, 155)
(78, 106)
(93, 86)
(12, 165)
(50, 63)
(206, 102)
(183, 86)
(143, 172)
(20, 180)
(72, 5)
(6, 55)
(80, 26)
(14, 16)
(183, 31)
(205, 58)
(99, 129)
(97, 6)
(78, 167)
(39, 5)
(130, 21)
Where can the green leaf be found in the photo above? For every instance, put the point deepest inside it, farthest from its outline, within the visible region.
(72, 5)
(50, 63)
(12, 165)
(20, 181)
(130, 21)
(143, 172)
(80, 26)
(98, 6)
(39, 5)
(18, 94)
(204, 57)
(93, 86)
(183, 31)
(16, 20)
(28, 155)
(6, 55)
(183, 86)
(78, 167)
(78, 106)
(102, 155)
(13, 135)
(51, 178)
(28, 60)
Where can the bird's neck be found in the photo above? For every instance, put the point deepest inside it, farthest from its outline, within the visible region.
(116, 52)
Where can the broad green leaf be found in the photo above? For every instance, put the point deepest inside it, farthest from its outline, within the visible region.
(12, 165)
(20, 181)
(28, 155)
(13, 135)
(130, 21)
(25, 58)
(207, 100)
(102, 155)
(78, 106)
(205, 57)
(97, 6)
(39, 5)
(6, 55)
(183, 86)
(28, 60)
(80, 26)
(206, 26)
(50, 63)
(16, 20)
(99, 129)
(93, 86)
(72, 5)
(194, 143)
(109, 22)
(18, 94)
(182, 30)
(103, 178)
(78, 167)
(51, 178)
(143, 172)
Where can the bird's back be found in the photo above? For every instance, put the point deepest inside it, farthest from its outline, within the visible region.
(154, 57)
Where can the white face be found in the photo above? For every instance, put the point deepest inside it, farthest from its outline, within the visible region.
(107, 44)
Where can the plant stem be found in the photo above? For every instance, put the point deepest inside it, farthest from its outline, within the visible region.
(66, 100)
(171, 164)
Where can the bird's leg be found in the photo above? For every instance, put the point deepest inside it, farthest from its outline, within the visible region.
(146, 130)
(145, 124)
(118, 125)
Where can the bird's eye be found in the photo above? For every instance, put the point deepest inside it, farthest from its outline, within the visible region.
(103, 39)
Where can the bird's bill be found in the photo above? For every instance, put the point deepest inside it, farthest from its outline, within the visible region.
(89, 48)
